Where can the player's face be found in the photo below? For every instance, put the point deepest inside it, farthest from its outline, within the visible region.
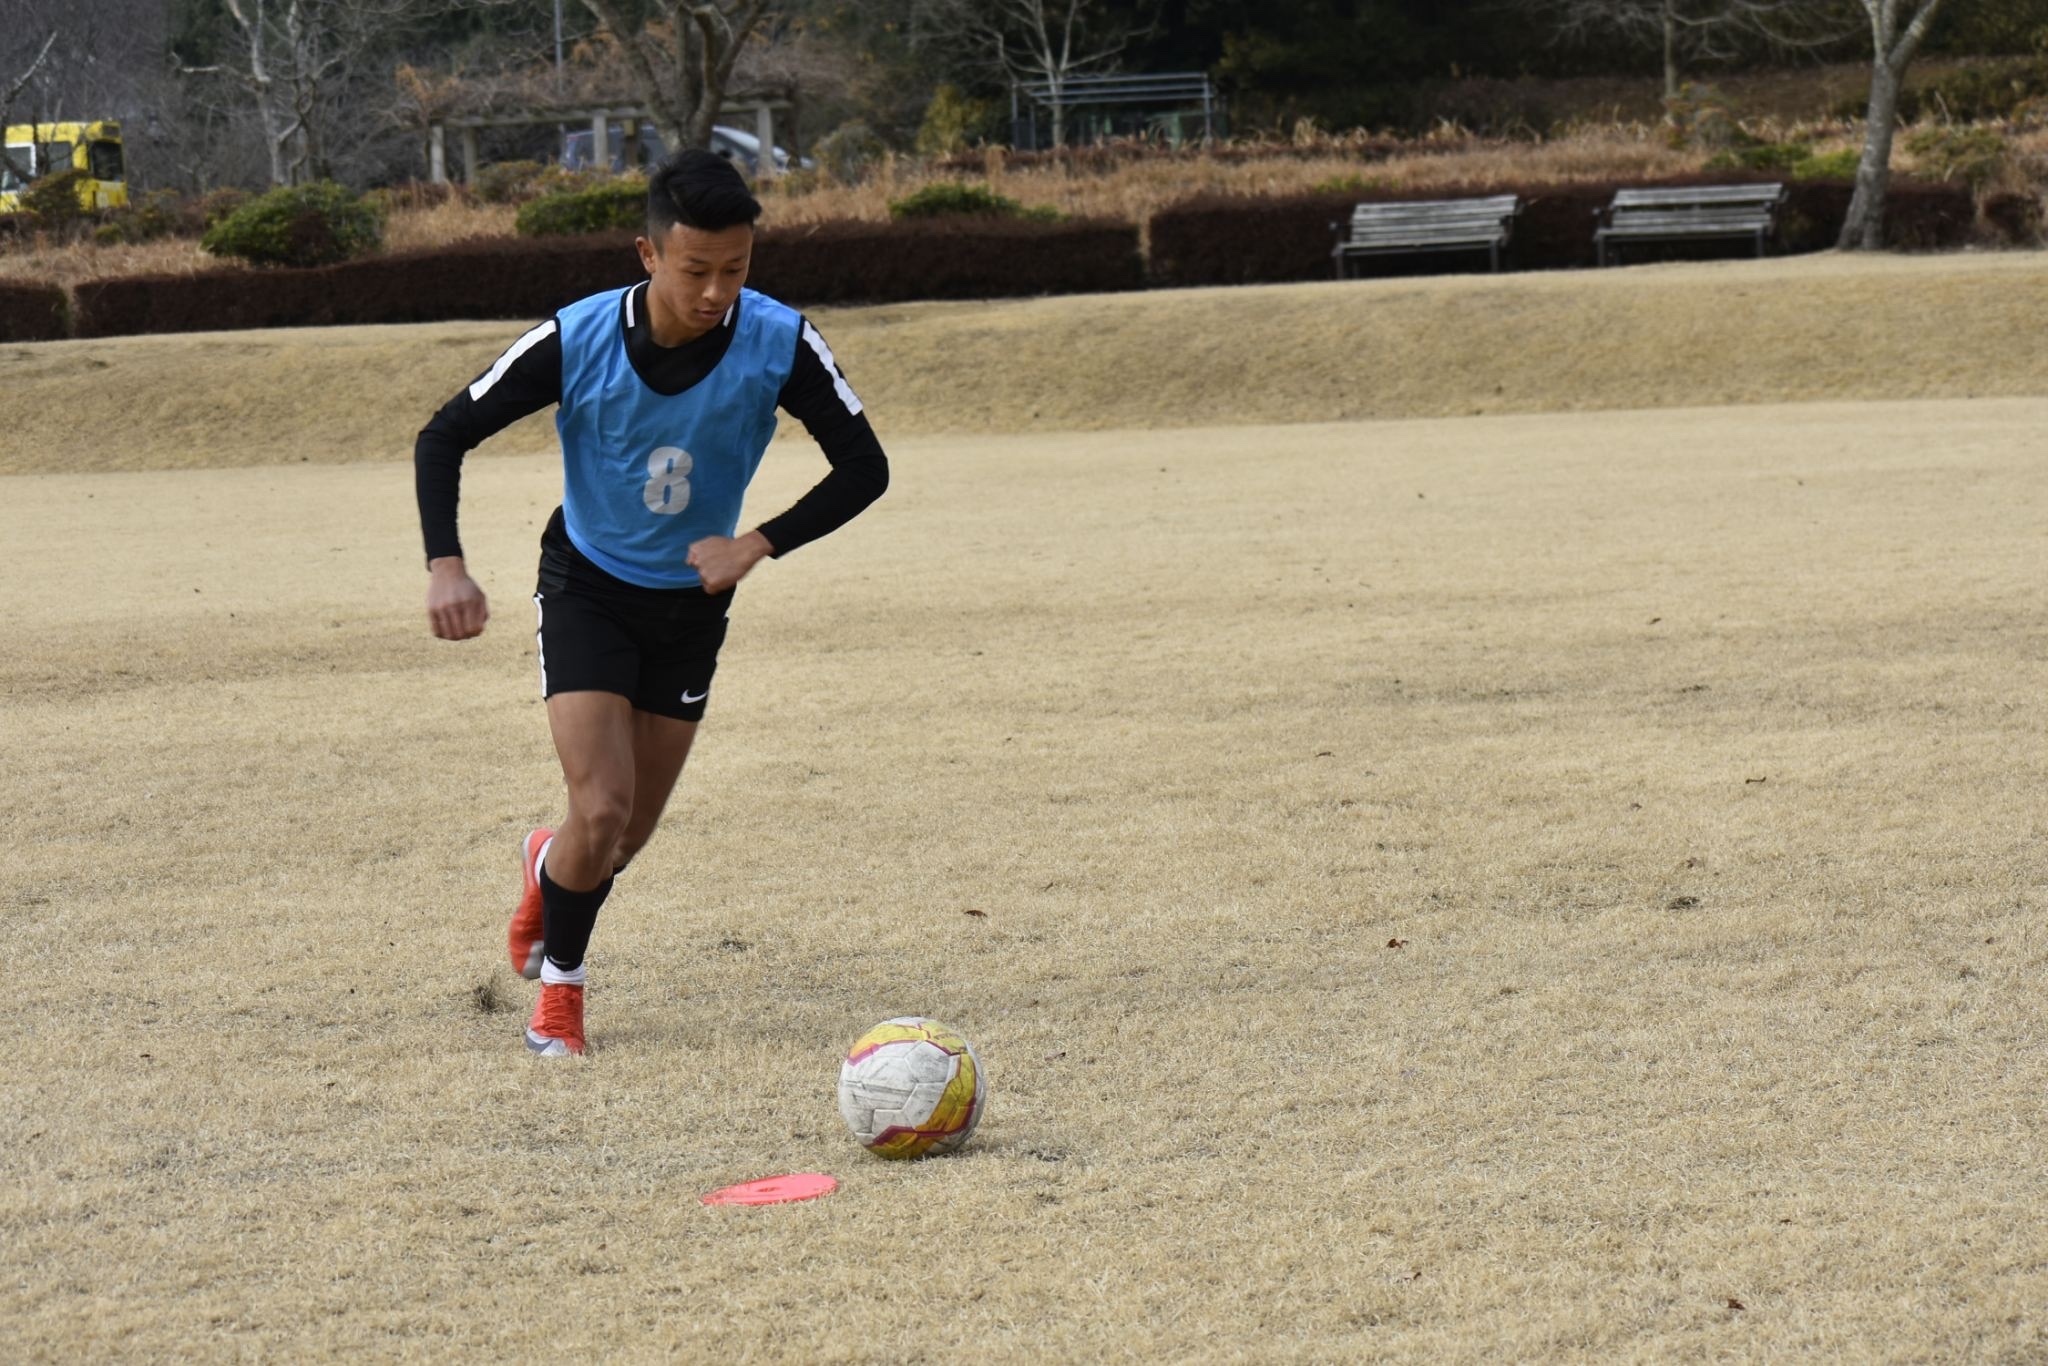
(696, 275)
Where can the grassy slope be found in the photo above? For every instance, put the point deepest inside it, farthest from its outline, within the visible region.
(1683, 335)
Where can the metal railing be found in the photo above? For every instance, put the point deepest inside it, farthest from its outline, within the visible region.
(1166, 93)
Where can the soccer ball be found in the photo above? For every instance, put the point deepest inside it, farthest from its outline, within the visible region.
(911, 1087)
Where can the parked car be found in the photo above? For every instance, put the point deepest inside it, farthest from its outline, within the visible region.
(734, 144)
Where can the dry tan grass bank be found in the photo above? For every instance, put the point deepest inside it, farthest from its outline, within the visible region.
(1496, 890)
(1877, 327)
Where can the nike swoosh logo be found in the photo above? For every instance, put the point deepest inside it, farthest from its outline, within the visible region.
(698, 698)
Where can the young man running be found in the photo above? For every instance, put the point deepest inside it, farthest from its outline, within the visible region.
(667, 394)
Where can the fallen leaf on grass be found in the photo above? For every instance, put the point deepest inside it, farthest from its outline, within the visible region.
(973, 911)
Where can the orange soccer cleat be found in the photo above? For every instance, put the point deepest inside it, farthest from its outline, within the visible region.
(556, 1030)
(523, 940)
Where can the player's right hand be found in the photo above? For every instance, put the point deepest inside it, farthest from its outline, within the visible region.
(456, 609)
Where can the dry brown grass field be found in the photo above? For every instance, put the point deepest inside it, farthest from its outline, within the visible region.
(1546, 886)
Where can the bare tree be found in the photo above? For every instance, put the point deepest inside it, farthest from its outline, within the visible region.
(1043, 42)
(1687, 32)
(77, 60)
(290, 58)
(1897, 28)
(682, 59)
(13, 93)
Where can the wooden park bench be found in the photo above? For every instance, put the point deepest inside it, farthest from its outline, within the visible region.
(1385, 229)
(1696, 213)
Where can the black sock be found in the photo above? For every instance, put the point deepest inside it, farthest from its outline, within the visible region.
(567, 918)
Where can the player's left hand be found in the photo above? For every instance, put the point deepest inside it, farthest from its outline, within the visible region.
(722, 561)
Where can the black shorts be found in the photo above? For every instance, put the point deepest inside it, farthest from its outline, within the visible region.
(655, 647)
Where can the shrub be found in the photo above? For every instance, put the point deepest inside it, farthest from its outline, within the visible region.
(414, 195)
(510, 182)
(53, 202)
(1698, 117)
(1974, 156)
(160, 213)
(2014, 218)
(1352, 184)
(951, 198)
(210, 208)
(1839, 165)
(849, 152)
(1981, 92)
(1761, 156)
(1922, 217)
(953, 121)
(614, 205)
(1977, 92)
(31, 312)
(1489, 106)
(298, 225)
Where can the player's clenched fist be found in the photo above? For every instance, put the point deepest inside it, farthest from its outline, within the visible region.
(722, 561)
(455, 605)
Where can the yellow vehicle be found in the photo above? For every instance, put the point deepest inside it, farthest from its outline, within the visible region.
(35, 150)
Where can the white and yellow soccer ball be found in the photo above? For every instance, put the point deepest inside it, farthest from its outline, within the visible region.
(911, 1087)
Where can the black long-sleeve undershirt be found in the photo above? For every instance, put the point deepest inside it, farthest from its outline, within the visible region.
(528, 378)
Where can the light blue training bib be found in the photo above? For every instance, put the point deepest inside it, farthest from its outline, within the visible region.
(645, 474)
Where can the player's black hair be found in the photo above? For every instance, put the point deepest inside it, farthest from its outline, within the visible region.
(698, 189)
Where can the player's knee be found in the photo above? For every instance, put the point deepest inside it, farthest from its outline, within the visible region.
(602, 811)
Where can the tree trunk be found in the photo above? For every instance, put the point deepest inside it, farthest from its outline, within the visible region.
(1670, 50)
(1892, 53)
(693, 120)
(1863, 229)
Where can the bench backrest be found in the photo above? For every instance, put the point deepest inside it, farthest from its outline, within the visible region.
(1699, 197)
(1497, 208)
(1426, 220)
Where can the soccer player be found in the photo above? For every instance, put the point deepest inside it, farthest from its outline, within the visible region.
(667, 393)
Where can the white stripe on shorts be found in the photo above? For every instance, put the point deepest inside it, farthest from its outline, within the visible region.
(540, 647)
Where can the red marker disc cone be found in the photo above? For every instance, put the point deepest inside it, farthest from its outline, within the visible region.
(775, 1190)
